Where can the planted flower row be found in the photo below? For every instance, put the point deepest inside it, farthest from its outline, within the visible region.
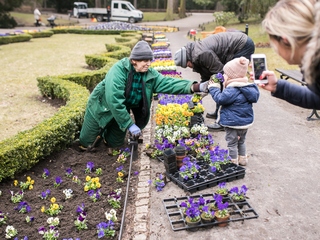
(87, 183)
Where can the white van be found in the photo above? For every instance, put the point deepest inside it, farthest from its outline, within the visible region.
(120, 11)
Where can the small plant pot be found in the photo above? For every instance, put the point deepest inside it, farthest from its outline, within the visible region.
(222, 221)
(192, 225)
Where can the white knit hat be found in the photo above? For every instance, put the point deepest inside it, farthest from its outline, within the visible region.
(236, 68)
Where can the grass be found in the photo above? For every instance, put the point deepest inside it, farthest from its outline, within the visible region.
(22, 63)
(27, 19)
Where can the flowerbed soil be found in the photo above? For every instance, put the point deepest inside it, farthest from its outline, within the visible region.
(57, 164)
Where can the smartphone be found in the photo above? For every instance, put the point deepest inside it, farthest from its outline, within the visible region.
(259, 64)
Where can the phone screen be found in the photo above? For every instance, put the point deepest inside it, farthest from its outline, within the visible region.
(259, 65)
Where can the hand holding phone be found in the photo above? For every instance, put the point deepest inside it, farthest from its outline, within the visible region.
(259, 64)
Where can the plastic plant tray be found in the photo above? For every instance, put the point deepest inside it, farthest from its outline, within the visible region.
(239, 211)
(208, 179)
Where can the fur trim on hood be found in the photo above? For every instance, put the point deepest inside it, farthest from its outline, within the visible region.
(311, 60)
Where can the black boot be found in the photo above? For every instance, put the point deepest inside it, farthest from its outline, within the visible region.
(212, 115)
(215, 127)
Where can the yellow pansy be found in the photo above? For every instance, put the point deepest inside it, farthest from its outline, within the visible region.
(88, 178)
(53, 200)
(43, 209)
(15, 183)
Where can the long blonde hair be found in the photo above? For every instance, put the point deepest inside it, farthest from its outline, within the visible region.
(292, 19)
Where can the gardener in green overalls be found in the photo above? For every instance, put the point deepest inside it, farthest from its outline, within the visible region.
(128, 85)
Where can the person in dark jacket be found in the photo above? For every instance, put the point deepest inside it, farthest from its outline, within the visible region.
(296, 38)
(127, 87)
(208, 56)
(236, 113)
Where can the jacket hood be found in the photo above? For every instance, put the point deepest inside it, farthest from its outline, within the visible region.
(311, 60)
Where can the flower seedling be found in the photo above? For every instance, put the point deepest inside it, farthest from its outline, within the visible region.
(112, 215)
(11, 232)
(114, 198)
(54, 208)
(158, 182)
(98, 171)
(53, 221)
(106, 229)
(29, 219)
(68, 193)
(207, 213)
(45, 194)
(94, 195)
(23, 207)
(222, 189)
(3, 218)
(49, 234)
(69, 173)
(81, 221)
(218, 78)
(120, 173)
(45, 173)
(237, 194)
(27, 184)
(189, 170)
(75, 179)
(89, 167)
(91, 183)
(16, 197)
(57, 182)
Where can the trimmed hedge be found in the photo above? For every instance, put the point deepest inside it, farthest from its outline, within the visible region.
(15, 39)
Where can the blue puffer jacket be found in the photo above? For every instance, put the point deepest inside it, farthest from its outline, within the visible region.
(236, 104)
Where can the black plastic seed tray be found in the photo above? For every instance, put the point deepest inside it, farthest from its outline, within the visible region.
(239, 211)
(207, 179)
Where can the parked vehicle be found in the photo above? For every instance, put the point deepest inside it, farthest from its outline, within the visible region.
(120, 11)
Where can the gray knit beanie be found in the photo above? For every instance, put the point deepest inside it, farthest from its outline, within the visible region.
(180, 57)
(141, 51)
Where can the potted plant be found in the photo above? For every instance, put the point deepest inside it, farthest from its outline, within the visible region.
(238, 195)
(222, 214)
(222, 189)
(214, 205)
(207, 215)
(191, 212)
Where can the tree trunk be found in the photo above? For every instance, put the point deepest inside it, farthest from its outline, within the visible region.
(182, 11)
(135, 3)
(169, 13)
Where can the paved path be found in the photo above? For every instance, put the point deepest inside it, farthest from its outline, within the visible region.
(282, 174)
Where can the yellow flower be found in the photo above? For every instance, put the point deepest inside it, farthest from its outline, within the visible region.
(28, 179)
(88, 178)
(15, 183)
(43, 209)
(120, 174)
(32, 182)
(30, 187)
(86, 188)
(55, 206)
(98, 185)
(53, 200)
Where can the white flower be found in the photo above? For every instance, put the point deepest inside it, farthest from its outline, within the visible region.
(108, 216)
(68, 193)
(10, 232)
(53, 221)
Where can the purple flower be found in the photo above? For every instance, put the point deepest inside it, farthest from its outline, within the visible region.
(45, 194)
(45, 173)
(58, 181)
(80, 209)
(89, 167)
(23, 207)
(243, 190)
(136, 173)
(217, 198)
(222, 185)
(69, 172)
(119, 168)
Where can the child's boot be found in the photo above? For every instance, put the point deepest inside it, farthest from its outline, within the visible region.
(235, 161)
(243, 160)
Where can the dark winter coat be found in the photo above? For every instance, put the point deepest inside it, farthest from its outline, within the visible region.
(297, 95)
(107, 100)
(236, 104)
(209, 55)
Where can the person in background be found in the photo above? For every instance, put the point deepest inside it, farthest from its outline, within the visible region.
(236, 113)
(128, 87)
(208, 56)
(295, 38)
(108, 13)
(37, 15)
